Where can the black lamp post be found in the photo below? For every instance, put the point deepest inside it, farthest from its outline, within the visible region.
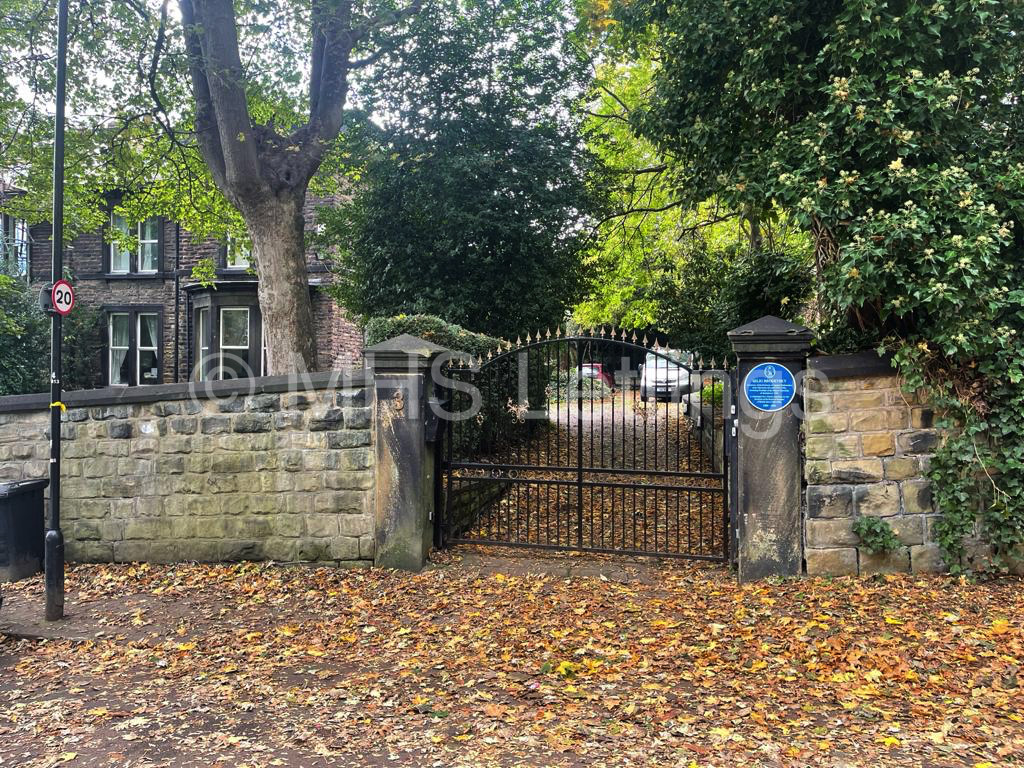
(54, 547)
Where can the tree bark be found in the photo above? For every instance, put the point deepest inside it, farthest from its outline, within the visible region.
(277, 229)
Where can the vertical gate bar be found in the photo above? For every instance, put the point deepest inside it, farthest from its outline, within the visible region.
(726, 447)
(450, 434)
(579, 444)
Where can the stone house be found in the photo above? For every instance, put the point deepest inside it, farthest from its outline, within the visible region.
(157, 323)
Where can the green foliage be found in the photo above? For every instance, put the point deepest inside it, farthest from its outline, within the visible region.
(566, 386)
(891, 131)
(83, 357)
(24, 339)
(688, 270)
(25, 342)
(712, 393)
(474, 203)
(876, 535)
(432, 328)
(204, 272)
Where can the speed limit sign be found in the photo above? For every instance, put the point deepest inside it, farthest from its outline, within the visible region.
(63, 296)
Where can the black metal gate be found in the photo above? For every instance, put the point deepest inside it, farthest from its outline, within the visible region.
(594, 442)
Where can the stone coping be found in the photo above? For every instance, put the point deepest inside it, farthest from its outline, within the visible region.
(867, 363)
(191, 390)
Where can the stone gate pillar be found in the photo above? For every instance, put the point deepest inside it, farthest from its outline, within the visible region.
(405, 459)
(772, 355)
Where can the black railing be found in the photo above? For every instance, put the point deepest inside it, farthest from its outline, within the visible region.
(563, 453)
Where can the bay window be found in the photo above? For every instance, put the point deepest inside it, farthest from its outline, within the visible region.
(227, 329)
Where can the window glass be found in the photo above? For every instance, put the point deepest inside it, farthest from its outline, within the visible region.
(148, 362)
(239, 256)
(14, 243)
(149, 244)
(120, 339)
(234, 343)
(120, 258)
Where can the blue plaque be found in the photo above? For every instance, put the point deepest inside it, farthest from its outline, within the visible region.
(769, 387)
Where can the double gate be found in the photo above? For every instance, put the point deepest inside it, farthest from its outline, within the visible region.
(594, 442)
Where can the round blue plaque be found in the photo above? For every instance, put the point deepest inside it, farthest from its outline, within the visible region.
(769, 387)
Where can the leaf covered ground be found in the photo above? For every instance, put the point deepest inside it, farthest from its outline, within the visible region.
(505, 661)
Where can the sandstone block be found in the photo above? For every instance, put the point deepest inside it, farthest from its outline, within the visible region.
(927, 558)
(825, 423)
(900, 468)
(887, 562)
(345, 548)
(831, 562)
(357, 418)
(830, 501)
(917, 497)
(880, 444)
(827, 533)
(878, 500)
(857, 470)
(919, 441)
(326, 419)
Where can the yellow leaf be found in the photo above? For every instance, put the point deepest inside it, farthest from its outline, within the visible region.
(891, 741)
(185, 646)
(874, 675)
(892, 620)
(66, 757)
(288, 631)
(1000, 627)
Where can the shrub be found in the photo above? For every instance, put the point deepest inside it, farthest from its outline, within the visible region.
(498, 424)
(712, 393)
(564, 386)
(876, 535)
(24, 339)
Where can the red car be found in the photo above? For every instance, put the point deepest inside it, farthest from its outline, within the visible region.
(597, 371)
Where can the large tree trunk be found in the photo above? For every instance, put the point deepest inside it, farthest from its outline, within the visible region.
(265, 173)
(277, 230)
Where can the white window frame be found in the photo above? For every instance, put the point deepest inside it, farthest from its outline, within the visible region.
(116, 248)
(139, 349)
(140, 228)
(111, 348)
(203, 336)
(232, 347)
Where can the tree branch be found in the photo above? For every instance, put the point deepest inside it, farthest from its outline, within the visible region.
(214, 26)
(206, 120)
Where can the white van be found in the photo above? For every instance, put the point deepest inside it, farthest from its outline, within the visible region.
(665, 376)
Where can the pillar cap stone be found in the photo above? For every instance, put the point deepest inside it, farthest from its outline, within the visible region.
(773, 335)
(402, 354)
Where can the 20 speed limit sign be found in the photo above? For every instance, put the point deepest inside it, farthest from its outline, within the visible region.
(63, 296)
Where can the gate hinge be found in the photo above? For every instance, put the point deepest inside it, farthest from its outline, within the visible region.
(735, 426)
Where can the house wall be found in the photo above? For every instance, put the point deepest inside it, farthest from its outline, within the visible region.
(260, 469)
(340, 340)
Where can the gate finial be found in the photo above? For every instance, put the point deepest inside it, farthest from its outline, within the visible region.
(645, 342)
(558, 331)
(547, 334)
(519, 341)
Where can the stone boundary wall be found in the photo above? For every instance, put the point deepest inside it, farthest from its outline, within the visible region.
(868, 445)
(257, 469)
